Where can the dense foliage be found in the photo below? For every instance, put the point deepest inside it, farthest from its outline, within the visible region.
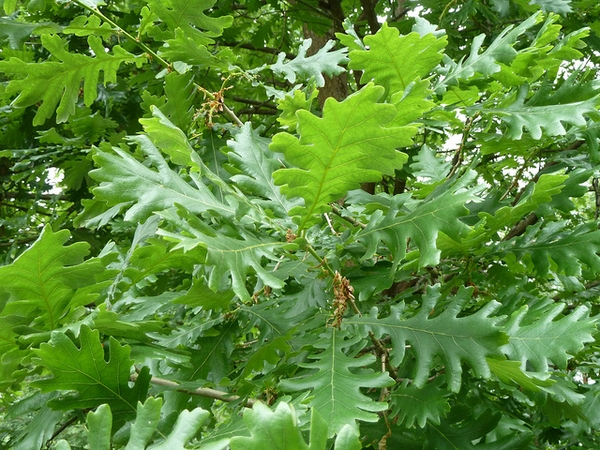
(299, 225)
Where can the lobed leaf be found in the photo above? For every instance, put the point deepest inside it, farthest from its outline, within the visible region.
(322, 62)
(336, 390)
(276, 430)
(53, 83)
(413, 405)
(349, 145)
(555, 247)
(250, 153)
(86, 371)
(546, 118)
(469, 338)
(441, 212)
(189, 16)
(127, 183)
(45, 278)
(395, 61)
(487, 62)
(546, 340)
(236, 255)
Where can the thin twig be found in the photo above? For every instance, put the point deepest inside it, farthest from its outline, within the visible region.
(322, 261)
(201, 392)
(338, 212)
(458, 156)
(232, 116)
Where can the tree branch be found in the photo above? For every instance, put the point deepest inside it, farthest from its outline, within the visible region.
(270, 50)
(201, 392)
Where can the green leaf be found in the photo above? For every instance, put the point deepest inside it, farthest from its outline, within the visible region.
(349, 145)
(441, 212)
(276, 430)
(460, 434)
(336, 390)
(322, 62)
(99, 425)
(429, 167)
(250, 153)
(289, 105)
(546, 340)
(188, 15)
(189, 50)
(546, 187)
(486, 63)
(413, 405)
(16, 32)
(395, 61)
(146, 421)
(201, 295)
(89, 25)
(84, 369)
(348, 438)
(236, 252)
(454, 339)
(544, 117)
(126, 182)
(167, 136)
(510, 372)
(39, 430)
(53, 83)
(45, 278)
(187, 425)
(181, 93)
(555, 6)
(556, 247)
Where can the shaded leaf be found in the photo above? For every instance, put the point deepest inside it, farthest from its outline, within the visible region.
(418, 406)
(99, 424)
(336, 390)
(441, 212)
(53, 83)
(250, 153)
(548, 117)
(187, 425)
(85, 370)
(487, 62)
(146, 421)
(547, 340)
(127, 183)
(453, 338)
(45, 277)
(236, 252)
(189, 16)
(557, 247)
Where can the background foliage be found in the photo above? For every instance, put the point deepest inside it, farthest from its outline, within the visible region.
(307, 225)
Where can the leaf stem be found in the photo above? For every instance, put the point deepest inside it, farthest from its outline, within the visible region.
(322, 261)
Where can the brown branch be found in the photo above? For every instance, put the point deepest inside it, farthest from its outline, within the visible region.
(263, 112)
(369, 14)
(247, 101)
(21, 242)
(521, 226)
(270, 50)
(201, 392)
